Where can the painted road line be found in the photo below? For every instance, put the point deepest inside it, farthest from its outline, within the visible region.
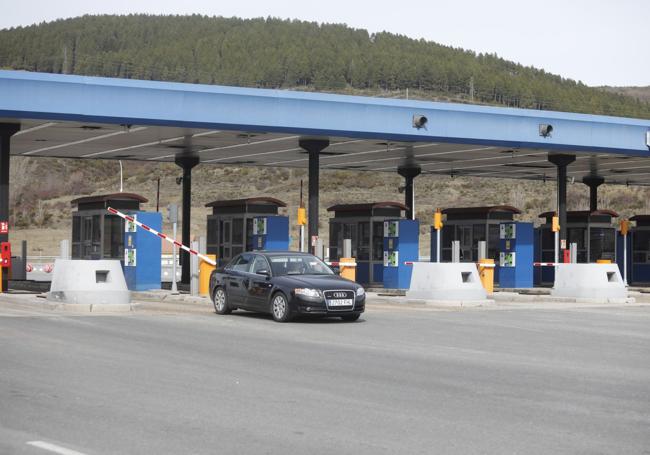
(54, 448)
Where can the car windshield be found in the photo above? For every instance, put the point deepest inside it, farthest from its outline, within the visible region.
(298, 265)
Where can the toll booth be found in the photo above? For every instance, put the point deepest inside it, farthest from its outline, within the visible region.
(239, 225)
(470, 225)
(363, 224)
(98, 234)
(638, 251)
(592, 232)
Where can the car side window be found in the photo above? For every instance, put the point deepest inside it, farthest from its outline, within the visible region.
(260, 264)
(243, 264)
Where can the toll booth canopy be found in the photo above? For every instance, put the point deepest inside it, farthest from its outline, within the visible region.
(363, 224)
(470, 225)
(97, 234)
(593, 233)
(230, 228)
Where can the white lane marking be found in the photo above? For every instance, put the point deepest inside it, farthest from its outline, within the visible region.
(53, 448)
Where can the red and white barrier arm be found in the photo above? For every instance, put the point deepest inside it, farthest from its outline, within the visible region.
(161, 235)
(545, 264)
(342, 264)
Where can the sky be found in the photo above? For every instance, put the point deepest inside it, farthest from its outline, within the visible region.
(598, 42)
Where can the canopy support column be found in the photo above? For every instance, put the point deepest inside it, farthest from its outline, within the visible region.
(6, 131)
(562, 162)
(186, 163)
(409, 174)
(313, 147)
(593, 182)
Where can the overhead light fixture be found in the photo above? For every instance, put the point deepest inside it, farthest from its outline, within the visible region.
(545, 129)
(419, 121)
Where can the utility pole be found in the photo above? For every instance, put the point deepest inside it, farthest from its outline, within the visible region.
(471, 88)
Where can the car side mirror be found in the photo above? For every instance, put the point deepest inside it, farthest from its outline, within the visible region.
(264, 272)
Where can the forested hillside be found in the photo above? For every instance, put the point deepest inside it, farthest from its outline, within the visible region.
(293, 55)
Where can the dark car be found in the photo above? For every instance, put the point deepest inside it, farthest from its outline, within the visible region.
(285, 284)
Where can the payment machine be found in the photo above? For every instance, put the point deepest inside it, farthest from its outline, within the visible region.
(239, 225)
(401, 248)
(98, 234)
(516, 255)
(363, 224)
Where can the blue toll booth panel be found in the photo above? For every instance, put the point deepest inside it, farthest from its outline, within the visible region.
(516, 242)
(401, 245)
(271, 233)
(142, 252)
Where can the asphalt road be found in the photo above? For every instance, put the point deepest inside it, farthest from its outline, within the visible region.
(400, 381)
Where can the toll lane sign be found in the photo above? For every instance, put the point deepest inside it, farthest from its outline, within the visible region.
(4, 227)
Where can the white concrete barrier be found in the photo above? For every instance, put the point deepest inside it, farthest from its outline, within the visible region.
(88, 282)
(457, 281)
(589, 281)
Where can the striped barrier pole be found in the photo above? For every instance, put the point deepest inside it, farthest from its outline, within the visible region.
(161, 235)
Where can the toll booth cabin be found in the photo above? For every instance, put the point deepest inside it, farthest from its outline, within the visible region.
(469, 226)
(363, 224)
(239, 225)
(638, 251)
(592, 232)
(98, 234)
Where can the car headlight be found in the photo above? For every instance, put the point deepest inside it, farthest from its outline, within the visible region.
(306, 292)
(361, 292)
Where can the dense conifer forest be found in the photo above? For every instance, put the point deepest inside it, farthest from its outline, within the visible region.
(274, 53)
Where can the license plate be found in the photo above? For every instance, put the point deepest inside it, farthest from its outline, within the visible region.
(340, 302)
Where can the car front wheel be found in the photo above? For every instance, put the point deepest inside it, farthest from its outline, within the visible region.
(220, 301)
(280, 308)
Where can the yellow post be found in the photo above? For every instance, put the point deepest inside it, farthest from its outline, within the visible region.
(205, 269)
(348, 272)
(603, 261)
(486, 272)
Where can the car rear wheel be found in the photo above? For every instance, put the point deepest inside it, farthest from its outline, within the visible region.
(220, 301)
(280, 308)
(351, 317)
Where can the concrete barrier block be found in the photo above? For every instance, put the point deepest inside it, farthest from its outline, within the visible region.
(88, 282)
(589, 281)
(446, 281)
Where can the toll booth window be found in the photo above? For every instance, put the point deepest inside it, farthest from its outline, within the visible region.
(238, 231)
(249, 234)
(448, 235)
(493, 241)
(602, 244)
(479, 235)
(579, 237)
(363, 251)
(212, 241)
(76, 229)
(548, 245)
(113, 237)
(350, 232)
(378, 241)
(641, 247)
(335, 231)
